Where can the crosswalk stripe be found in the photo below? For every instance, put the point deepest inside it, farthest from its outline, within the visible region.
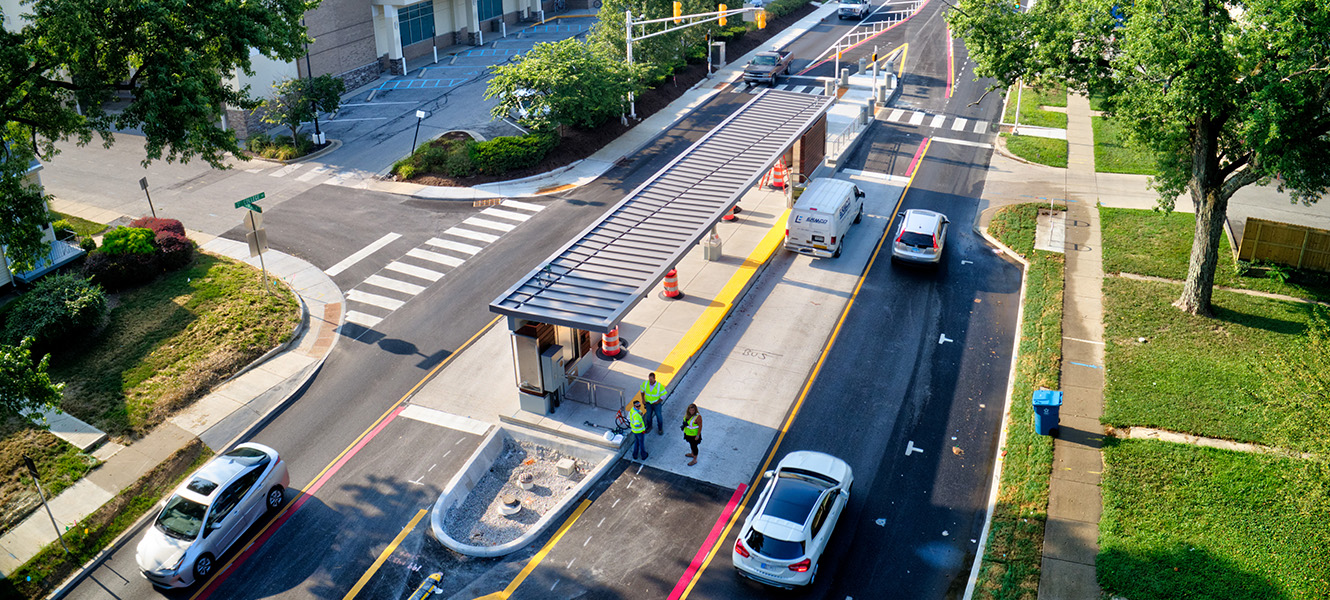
(451, 245)
(395, 285)
(917, 118)
(361, 254)
(505, 214)
(360, 318)
(414, 271)
(896, 115)
(374, 300)
(959, 124)
(315, 172)
(783, 86)
(287, 170)
(981, 127)
(522, 205)
(442, 259)
(473, 235)
(488, 224)
(938, 120)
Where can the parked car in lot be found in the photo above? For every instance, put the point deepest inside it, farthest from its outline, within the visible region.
(788, 529)
(857, 9)
(921, 237)
(209, 512)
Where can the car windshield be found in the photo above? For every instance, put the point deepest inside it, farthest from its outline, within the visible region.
(794, 497)
(248, 456)
(918, 240)
(852, 1)
(771, 547)
(764, 61)
(181, 518)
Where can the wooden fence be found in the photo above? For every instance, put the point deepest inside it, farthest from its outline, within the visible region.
(1285, 244)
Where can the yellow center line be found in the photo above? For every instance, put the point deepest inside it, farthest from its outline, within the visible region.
(808, 384)
(540, 556)
(383, 556)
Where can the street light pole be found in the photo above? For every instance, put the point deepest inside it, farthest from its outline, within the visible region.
(32, 470)
(309, 74)
(628, 27)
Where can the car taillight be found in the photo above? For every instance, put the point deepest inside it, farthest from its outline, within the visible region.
(739, 548)
(801, 566)
(833, 240)
(935, 243)
(787, 232)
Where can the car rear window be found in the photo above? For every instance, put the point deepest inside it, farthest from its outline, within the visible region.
(793, 498)
(918, 240)
(771, 547)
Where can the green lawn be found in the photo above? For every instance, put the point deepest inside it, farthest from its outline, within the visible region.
(1186, 522)
(1114, 153)
(1199, 375)
(82, 227)
(1148, 242)
(169, 342)
(1031, 100)
(1044, 151)
(59, 463)
(1010, 569)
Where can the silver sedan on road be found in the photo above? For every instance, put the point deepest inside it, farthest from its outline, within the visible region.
(209, 512)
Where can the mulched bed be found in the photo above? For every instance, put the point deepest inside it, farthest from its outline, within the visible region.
(578, 144)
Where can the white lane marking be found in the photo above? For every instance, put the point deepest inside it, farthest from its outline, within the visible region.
(431, 467)
(959, 124)
(917, 118)
(938, 120)
(602, 522)
(966, 262)
(588, 541)
(374, 300)
(556, 582)
(361, 254)
(943, 140)
(443, 419)
(360, 318)
(473, 235)
(284, 171)
(414, 271)
(393, 284)
(942, 338)
(488, 224)
(570, 563)
(910, 449)
(505, 214)
(616, 503)
(895, 115)
(522, 205)
(451, 245)
(319, 170)
(981, 127)
(888, 177)
(442, 259)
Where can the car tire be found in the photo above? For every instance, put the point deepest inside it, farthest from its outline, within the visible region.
(203, 566)
(860, 216)
(836, 254)
(275, 499)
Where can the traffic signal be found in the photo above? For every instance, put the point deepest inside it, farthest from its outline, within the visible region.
(678, 12)
(761, 19)
(722, 15)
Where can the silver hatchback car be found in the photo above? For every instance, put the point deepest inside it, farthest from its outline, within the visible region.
(209, 512)
(921, 237)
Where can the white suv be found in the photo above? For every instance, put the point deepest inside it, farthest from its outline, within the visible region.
(921, 237)
(854, 8)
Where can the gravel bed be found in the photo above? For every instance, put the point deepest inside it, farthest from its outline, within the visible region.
(478, 521)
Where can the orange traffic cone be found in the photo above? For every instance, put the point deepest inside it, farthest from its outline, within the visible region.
(609, 343)
(672, 285)
(778, 175)
(729, 215)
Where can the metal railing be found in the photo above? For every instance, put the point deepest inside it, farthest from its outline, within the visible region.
(857, 36)
(838, 143)
(593, 391)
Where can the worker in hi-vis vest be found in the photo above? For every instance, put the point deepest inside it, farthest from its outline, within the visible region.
(654, 394)
(639, 427)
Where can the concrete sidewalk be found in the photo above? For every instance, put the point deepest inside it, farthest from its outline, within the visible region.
(219, 419)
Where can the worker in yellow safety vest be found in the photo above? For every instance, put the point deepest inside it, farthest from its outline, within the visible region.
(692, 430)
(639, 426)
(654, 395)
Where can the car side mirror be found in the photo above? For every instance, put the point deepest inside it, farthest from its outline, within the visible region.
(860, 193)
(768, 474)
(901, 215)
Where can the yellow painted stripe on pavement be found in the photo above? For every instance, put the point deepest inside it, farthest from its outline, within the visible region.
(540, 556)
(808, 384)
(383, 556)
(715, 312)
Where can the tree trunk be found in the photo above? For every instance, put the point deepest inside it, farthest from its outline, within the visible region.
(1211, 204)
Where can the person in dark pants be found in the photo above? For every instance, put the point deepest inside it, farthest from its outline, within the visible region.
(692, 430)
(639, 427)
(654, 394)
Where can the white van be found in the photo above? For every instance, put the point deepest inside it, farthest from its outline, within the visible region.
(822, 216)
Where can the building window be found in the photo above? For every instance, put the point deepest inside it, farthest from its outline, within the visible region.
(490, 8)
(416, 22)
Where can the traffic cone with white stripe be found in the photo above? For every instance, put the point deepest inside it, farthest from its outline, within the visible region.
(778, 175)
(609, 344)
(672, 286)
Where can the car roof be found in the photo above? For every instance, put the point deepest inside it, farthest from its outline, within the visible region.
(222, 470)
(922, 221)
(816, 462)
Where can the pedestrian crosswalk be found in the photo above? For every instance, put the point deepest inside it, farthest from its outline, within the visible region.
(371, 301)
(316, 174)
(917, 118)
(753, 88)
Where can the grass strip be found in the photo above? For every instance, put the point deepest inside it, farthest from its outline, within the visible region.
(1115, 153)
(1148, 242)
(1181, 521)
(58, 462)
(82, 227)
(1030, 102)
(40, 575)
(1010, 567)
(1040, 150)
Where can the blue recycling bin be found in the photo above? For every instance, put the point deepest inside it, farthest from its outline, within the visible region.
(1046, 403)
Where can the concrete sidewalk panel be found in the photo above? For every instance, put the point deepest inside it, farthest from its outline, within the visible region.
(1066, 580)
(1072, 541)
(1074, 500)
(27, 538)
(128, 465)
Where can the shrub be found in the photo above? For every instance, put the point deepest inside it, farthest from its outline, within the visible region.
(128, 240)
(258, 142)
(159, 225)
(88, 244)
(504, 154)
(176, 249)
(406, 170)
(63, 228)
(119, 271)
(459, 164)
(57, 308)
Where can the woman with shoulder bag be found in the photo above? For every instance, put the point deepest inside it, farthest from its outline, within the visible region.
(692, 430)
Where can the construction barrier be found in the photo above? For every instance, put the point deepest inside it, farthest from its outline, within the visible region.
(672, 285)
(609, 344)
(729, 216)
(778, 175)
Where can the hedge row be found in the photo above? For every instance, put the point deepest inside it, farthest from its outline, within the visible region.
(460, 158)
(134, 255)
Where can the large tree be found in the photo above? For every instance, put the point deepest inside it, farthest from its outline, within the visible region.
(569, 82)
(1225, 95)
(170, 58)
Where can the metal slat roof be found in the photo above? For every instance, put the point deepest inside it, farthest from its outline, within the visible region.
(596, 278)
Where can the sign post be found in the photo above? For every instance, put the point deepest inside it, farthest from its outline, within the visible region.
(257, 236)
(420, 116)
(32, 470)
(143, 183)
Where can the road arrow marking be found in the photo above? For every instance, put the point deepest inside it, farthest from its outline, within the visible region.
(966, 262)
(910, 449)
(881, 522)
(942, 339)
